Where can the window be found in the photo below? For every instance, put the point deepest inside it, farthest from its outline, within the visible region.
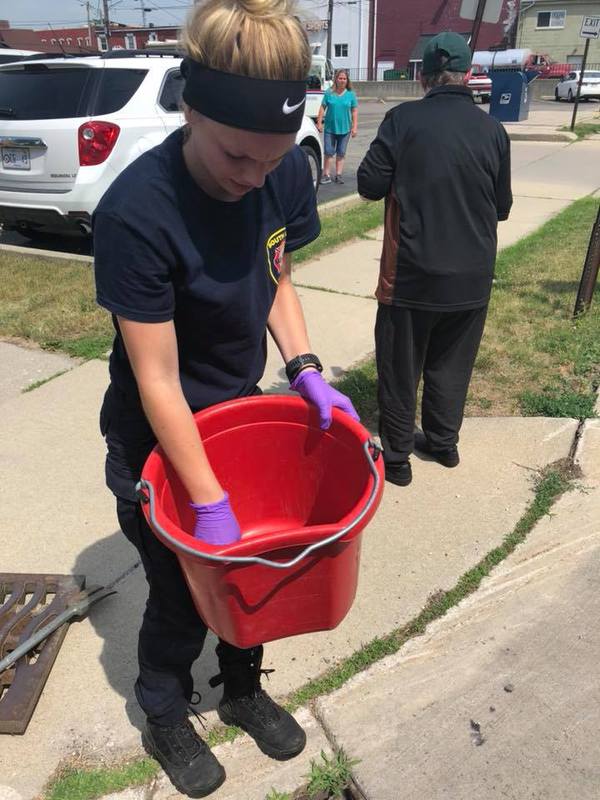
(130, 43)
(53, 41)
(551, 19)
(37, 92)
(69, 40)
(341, 50)
(170, 96)
(102, 42)
(117, 87)
(152, 37)
(79, 41)
(88, 41)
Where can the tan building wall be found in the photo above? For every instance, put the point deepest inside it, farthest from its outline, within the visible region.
(562, 44)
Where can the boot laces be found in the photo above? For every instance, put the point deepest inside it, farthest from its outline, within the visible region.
(195, 700)
(186, 740)
(262, 705)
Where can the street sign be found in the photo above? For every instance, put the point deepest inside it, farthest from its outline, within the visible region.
(493, 9)
(590, 28)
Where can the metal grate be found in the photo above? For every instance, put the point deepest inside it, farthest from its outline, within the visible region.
(27, 603)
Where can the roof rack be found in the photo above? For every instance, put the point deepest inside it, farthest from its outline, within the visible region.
(44, 56)
(156, 51)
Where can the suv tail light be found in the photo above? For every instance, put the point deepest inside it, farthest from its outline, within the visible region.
(96, 141)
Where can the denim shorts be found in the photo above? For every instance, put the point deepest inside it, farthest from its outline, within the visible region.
(336, 144)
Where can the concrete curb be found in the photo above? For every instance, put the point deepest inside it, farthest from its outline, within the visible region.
(33, 251)
(564, 136)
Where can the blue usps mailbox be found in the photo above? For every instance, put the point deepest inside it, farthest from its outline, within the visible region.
(510, 95)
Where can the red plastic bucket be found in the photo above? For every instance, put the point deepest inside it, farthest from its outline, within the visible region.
(302, 497)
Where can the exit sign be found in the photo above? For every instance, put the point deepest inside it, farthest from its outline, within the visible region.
(590, 28)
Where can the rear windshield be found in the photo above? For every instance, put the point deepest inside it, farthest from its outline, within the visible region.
(36, 91)
(587, 74)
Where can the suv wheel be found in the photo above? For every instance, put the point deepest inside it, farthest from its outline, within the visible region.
(315, 164)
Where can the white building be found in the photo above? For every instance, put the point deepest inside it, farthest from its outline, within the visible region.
(350, 32)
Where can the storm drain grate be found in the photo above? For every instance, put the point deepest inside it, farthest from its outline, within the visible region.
(27, 603)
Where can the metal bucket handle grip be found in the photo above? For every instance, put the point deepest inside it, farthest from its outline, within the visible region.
(145, 486)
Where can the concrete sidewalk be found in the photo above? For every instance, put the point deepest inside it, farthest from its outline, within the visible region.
(57, 516)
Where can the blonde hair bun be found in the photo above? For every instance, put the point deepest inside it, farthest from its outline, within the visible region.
(265, 8)
(258, 38)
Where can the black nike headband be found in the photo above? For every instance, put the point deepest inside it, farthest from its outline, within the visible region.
(253, 104)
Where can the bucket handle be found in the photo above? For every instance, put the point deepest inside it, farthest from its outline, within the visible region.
(145, 492)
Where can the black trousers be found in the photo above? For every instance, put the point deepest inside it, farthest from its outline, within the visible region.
(440, 346)
(172, 633)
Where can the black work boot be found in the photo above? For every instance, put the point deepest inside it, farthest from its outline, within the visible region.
(400, 474)
(447, 458)
(185, 757)
(249, 707)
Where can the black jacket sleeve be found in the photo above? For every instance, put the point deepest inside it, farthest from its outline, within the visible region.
(376, 172)
(504, 198)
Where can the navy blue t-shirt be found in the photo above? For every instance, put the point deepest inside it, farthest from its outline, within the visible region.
(165, 250)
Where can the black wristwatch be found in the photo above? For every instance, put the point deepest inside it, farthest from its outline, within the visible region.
(297, 364)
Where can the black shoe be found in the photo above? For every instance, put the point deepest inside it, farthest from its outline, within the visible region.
(273, 729)
(339, 179)
(447, 458)
(185, 757)
(249, 707)
(399, 474)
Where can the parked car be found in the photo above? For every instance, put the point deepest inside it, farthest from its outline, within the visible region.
(8, 55)
(480, 84)
(566, 89)
(69, 126)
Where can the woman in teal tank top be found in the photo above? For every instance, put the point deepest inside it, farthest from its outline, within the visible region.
(340, 109)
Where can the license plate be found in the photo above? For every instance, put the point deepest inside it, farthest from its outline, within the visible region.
(16, 158)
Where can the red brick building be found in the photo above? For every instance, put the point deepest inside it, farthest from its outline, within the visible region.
(84, 39)
(402, 28)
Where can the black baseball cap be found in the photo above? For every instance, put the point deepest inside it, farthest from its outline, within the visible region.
(446, 52)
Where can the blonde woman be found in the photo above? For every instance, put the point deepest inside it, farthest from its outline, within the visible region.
(340, 109)
(187, 263)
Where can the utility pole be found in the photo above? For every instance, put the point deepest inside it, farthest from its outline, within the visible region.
(329, 27)
(477, 23)
(591, 266)
(106, 24)
(580, 81)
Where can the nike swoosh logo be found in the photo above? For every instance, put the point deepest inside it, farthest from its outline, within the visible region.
(288, 109)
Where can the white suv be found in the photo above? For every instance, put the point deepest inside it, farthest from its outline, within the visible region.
(68, 126)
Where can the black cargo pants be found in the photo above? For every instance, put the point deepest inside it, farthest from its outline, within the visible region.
(172, 633)
(439, 345)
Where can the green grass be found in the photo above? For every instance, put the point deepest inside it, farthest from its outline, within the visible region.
(37, 384)
(52, 301)
(75, 784)
(554, 402)
(330, 776)
(583, 129)
(550, 484)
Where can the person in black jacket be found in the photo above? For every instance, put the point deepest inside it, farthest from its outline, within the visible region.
(443, 166)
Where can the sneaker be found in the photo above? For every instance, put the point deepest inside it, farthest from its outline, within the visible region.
(447, 458)
(339, 179)
(185, 757)
(273, 729)
(325, 179)
(399, 474)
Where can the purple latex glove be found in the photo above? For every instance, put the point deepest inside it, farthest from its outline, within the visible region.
(216, 522)
(312, 387)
